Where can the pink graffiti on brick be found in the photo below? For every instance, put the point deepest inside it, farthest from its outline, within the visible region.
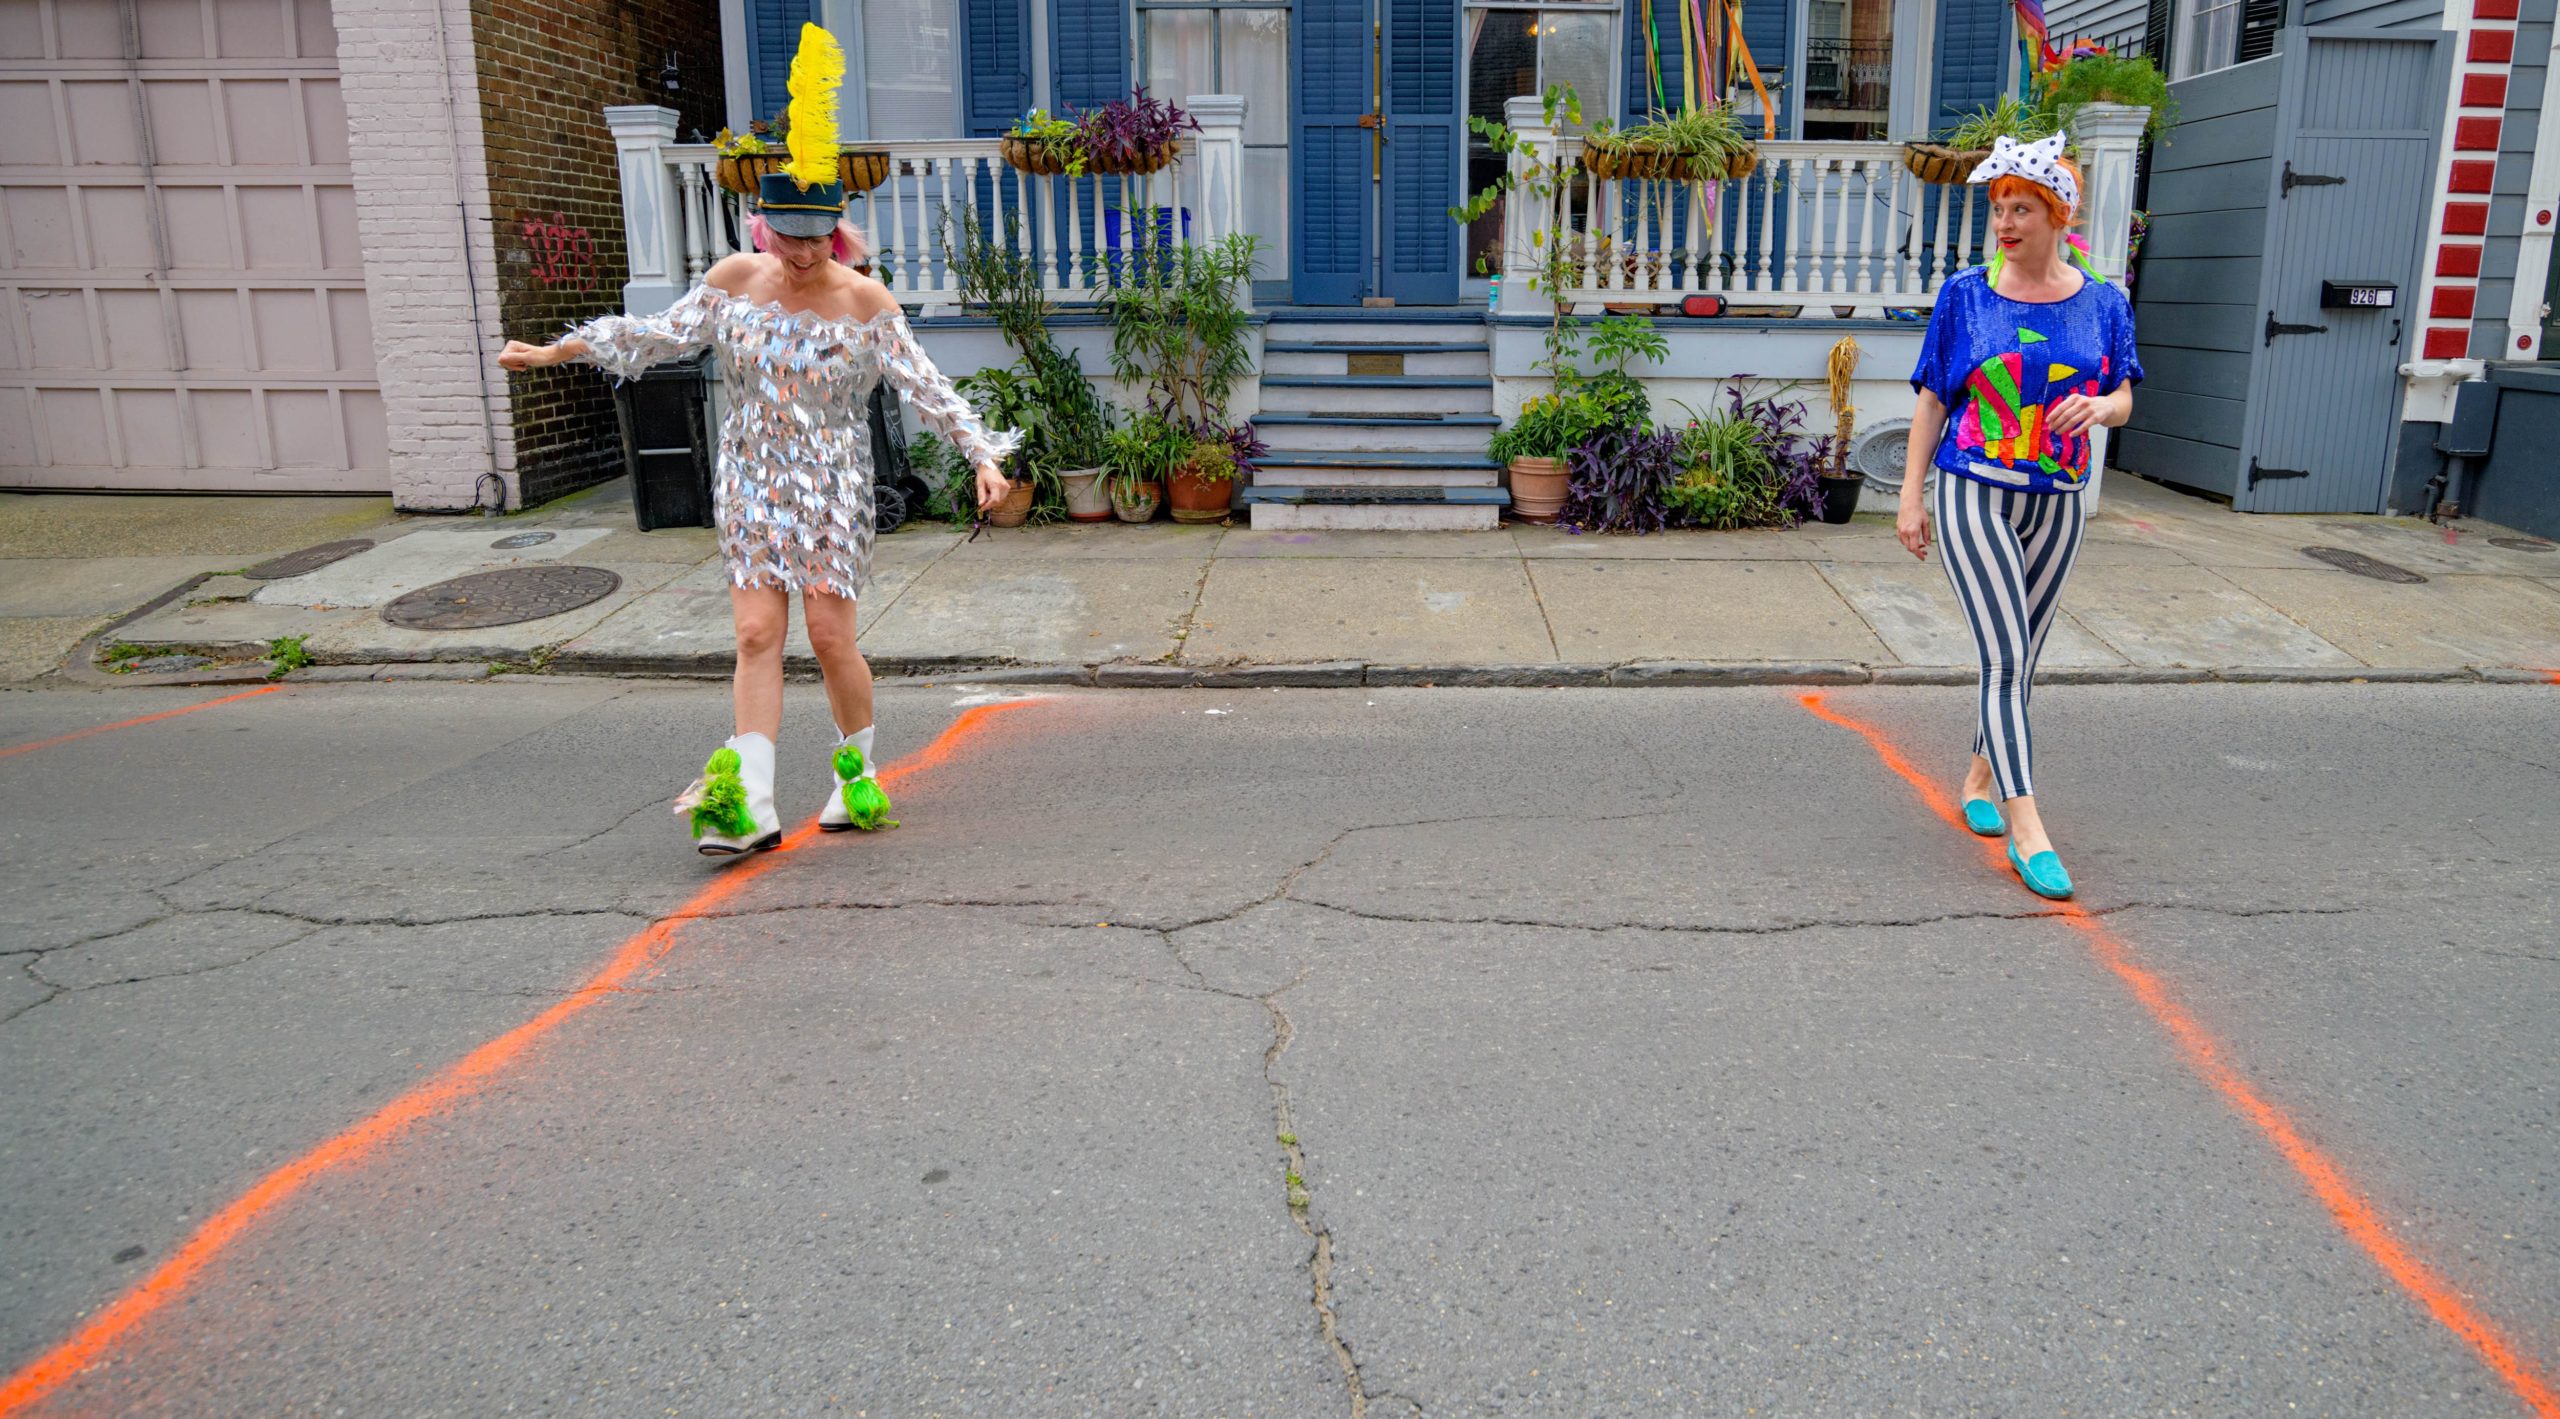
(563, 255)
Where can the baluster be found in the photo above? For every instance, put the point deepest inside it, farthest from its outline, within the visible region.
(1867, 252)
(1761, 269)
(1963, 255)
(689, 201)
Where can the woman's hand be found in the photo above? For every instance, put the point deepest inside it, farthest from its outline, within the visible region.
(520, 356)
(2078, 413)
(992, 486)
(1911, 524)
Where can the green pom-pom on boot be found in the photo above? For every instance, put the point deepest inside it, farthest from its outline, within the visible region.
(722, 811)
(865, 804)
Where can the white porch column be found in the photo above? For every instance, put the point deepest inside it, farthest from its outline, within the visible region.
(2110, 139)
(651, 218)
(1220, 149)
(1524, 216)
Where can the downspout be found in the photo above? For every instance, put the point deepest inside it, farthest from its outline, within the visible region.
(471, 283)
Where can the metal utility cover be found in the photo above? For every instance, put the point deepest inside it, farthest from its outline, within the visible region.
(500, 598)
(2362, 565)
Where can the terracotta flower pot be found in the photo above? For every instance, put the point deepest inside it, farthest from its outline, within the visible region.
(1138, 503)
(1015, 507)
(1937, 163)
(1538, 488)
(1198, 499)
(1087, 499)
(859, 169)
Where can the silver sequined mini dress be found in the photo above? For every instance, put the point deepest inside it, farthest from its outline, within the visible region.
(793, 493)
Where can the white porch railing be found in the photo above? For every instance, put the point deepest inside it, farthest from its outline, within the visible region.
(678, 220)
(1829, 228)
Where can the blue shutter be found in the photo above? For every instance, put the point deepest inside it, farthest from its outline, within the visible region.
(773, 33)
(997, 36)
(1329, 235)
(1768, 27)
(1973, 54)
(1638, 86)
(1089, 54)
(1422, 246)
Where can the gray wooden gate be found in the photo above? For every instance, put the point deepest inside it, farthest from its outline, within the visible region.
(2355, 149)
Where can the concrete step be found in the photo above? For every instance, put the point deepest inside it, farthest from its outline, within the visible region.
(1288, 432)
(1337, 358)
(1388, 510)
(1459, 333)
(1378, 394)
(1277, 472)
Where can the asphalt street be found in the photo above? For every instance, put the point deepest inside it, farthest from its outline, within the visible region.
(1280, 1053)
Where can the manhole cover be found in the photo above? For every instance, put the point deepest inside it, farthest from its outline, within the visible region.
(309, 559)
(500, 598)
(2522, 544)
(2362, 565)
(522, 539)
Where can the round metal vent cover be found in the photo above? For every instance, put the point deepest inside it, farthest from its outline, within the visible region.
(500, 598)
(1878, 452)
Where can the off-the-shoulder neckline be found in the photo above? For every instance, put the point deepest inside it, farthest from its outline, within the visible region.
(851, 321)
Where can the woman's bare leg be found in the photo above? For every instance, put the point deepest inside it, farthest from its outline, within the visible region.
(763, 616)
(831, 630)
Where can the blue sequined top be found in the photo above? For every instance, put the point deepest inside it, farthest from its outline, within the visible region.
(2000, 365)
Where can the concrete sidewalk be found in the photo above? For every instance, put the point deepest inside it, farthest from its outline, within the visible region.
(2170, 587)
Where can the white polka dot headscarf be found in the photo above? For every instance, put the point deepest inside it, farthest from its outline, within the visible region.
(2039, 162)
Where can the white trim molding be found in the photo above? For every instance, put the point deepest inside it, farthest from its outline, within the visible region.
(2525, 311)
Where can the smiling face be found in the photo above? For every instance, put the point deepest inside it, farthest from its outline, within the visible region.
(802, 257)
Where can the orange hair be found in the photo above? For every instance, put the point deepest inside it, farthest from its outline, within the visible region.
(2004, 189)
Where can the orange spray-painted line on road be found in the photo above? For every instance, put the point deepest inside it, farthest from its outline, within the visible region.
(138, 719)
(466, 1077)
(2346, 1205)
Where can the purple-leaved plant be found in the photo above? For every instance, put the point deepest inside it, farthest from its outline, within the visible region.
(1615, 481)
(1123, 132)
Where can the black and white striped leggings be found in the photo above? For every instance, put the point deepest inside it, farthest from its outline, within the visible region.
(2008, 553)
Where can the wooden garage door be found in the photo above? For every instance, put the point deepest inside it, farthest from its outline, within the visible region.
(183, 295)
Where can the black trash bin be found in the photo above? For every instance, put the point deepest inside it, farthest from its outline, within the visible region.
(666, 444)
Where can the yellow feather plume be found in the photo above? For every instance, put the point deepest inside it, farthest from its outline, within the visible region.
(817, 71)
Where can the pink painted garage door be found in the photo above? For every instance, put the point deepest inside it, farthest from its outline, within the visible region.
(184, 297)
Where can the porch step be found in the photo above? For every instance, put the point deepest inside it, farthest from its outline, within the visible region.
(1381, 509)
(1394, 394)
(1464, 329)
(1288, 433)
(1406, 470)
(1337, 358)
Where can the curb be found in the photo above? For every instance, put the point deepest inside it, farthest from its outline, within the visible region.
(81, 666)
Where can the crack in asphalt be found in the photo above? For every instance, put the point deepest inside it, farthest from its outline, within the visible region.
(655, 800)
(1792, 927)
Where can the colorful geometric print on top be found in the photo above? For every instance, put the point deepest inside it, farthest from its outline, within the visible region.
(2001, 365)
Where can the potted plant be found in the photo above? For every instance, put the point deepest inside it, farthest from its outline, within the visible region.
(1044, 145)
(1533, 449)
(1144, 452)
(1951, 161)
(1693, 145)
(2091, 75)
(1134, 136)
(1179, 331)
(744, 159)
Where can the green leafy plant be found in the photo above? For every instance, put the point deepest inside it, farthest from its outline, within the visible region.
(1001, 277)
(1146, 448)
(1211, 459)
(1707, 139)
(1180, 324)
(1018, 398)
(2095, 76)
(2005, 117)
(1527, 189)
(285, 655)
(1728, 478)
(740, 145)
(1061, 140)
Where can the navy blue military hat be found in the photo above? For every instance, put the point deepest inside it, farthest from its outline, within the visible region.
(794, 211)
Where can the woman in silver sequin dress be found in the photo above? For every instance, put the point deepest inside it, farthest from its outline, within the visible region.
(801, 340)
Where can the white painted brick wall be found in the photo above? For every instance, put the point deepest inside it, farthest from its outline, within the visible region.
(422, 213)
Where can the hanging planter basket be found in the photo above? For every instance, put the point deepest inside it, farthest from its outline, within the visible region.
(1121, 162)
(859, 169)
(1937, 163)
(1654, 165)
(1025, 156)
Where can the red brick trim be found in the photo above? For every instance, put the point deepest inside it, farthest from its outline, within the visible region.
(2447, 342)
(2454, 259)
(2493, 9)
(2474, 175)
(2484, 91)
(2475, 135)
(2452, 303)
(2466, 218)
(2492, 47)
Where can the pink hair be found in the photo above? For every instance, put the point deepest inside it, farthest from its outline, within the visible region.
(851, 246)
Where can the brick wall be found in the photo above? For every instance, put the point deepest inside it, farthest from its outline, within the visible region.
(546, 71)
(413, 137)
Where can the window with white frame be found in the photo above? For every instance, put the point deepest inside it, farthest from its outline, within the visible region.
(1232, 47)
(2206, 35)
(1521, 51)
(909, 63)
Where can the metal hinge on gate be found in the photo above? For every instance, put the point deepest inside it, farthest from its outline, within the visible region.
(2277, 327)
(2258, 475)
(2294, 179)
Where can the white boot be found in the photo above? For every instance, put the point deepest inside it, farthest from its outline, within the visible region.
(737, 784)
(857, 801)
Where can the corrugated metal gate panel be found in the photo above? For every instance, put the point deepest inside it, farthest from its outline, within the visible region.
(182, 299)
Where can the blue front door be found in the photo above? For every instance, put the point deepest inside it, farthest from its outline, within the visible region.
(1372, 217)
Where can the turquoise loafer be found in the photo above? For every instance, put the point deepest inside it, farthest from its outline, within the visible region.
(2043, 874)
(1983, 816)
